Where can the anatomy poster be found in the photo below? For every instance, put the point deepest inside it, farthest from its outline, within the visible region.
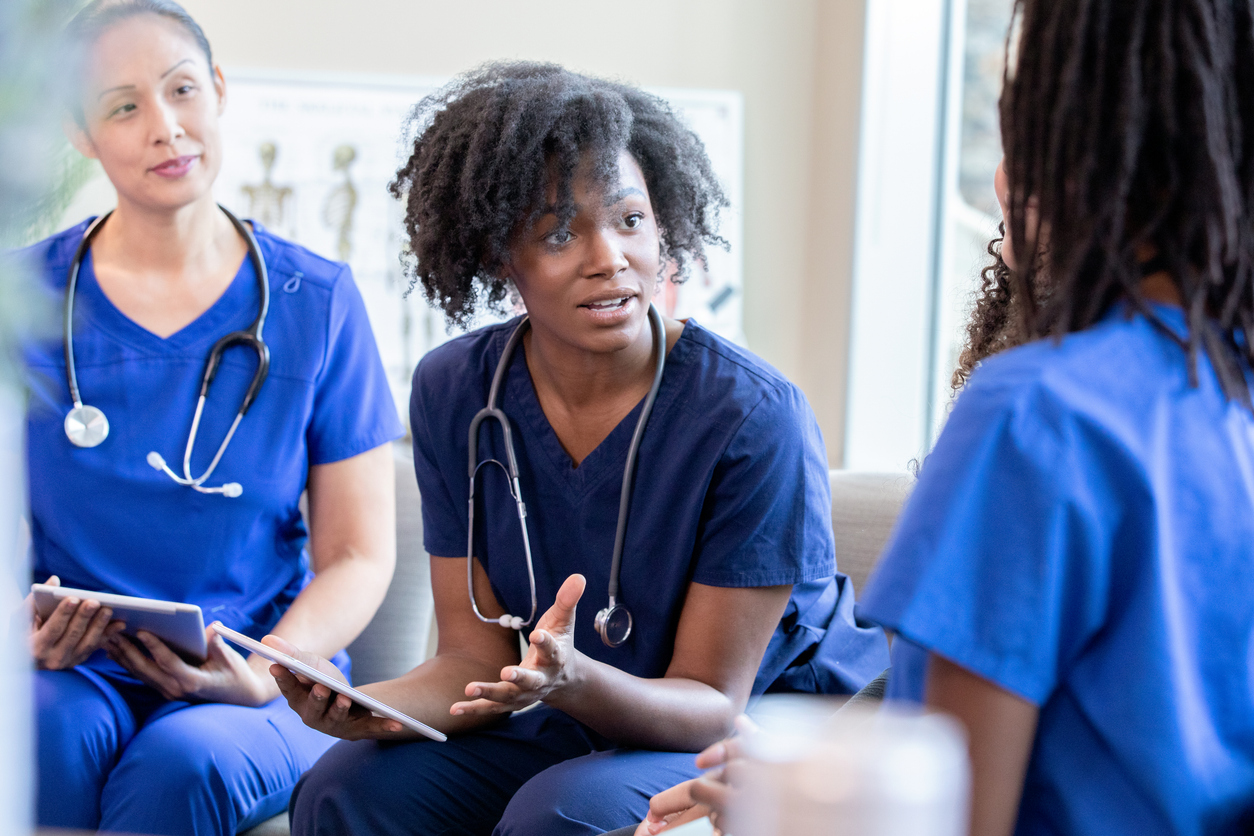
(310, 156)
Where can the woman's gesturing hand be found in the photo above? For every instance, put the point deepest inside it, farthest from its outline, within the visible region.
(547, 668)
(225, 676)
(321, 708)
(73, 631)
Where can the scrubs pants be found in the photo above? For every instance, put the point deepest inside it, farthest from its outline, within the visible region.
(538, 773)
(114, 755)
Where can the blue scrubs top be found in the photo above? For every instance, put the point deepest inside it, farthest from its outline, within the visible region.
(1083, 536)
(731, 490)
(103, 519)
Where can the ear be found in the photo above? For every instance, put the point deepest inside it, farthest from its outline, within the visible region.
(219, 87)
(79, 138)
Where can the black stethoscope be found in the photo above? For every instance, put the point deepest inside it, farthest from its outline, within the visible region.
(87, 426)
(613, 623)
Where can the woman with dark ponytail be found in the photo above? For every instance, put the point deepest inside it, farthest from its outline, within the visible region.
(132, 737)
(1070, 577)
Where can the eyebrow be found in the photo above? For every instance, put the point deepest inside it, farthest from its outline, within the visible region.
(104, 93)
(622, 194)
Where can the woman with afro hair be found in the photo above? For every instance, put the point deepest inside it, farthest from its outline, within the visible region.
(577, 195)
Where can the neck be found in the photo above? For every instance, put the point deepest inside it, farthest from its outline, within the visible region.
(580, 378)
(170, 243)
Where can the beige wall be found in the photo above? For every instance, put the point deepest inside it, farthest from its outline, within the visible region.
(797, 62)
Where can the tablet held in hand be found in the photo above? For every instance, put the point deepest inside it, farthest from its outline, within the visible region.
(298, 667)
(181, 626)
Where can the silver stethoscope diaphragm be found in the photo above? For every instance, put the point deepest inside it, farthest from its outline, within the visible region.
(86, 426)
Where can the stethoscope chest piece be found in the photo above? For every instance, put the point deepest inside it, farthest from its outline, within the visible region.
(86, 426)
(613, 624)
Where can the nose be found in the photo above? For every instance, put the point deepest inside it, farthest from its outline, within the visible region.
(168, 127)
(606, 258)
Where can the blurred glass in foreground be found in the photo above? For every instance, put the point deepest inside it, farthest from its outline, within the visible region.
(813, 771)
(33, 159)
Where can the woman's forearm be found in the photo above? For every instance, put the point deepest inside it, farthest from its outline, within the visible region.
(671, 713)
(336, 605)
(352, 548)
(428, 691)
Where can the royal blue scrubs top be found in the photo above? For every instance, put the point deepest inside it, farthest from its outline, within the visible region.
(731, 490)
(1083, 536)
(103, 519)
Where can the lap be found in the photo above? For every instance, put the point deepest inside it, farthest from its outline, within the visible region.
(539, 772)
(458, 787)
(121, 757)
(231, 765)
(594, 793)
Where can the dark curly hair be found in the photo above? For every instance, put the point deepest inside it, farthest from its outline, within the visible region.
(1130, 126)
(489, 146)
(996, 322)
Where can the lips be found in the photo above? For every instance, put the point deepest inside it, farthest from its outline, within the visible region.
(608, 304)
(609, 299)
(176, 167)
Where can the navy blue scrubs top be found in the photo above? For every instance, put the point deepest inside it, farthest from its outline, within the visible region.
(103, 519)
(731, 490)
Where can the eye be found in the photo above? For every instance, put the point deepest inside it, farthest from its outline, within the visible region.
(184, 90)
(121, 109)
(559, 237)
(634, 221)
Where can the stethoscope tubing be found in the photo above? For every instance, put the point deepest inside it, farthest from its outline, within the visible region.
(492, 412)
(251, 337)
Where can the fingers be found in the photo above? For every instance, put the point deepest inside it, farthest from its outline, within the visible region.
(281, 644)
(123, 651)
(161, 653)
(715, 755)
(570, 593)
(94, 635)
(313, 660)
(485, 707)
(521, 678)
(669, 802)
(732, 747)
(335, 714)
(560, 618)
(709, 791)
(71, 633)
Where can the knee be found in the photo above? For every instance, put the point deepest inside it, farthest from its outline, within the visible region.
(76, 725)
(563, 800)
(172, 761)
(330, 797)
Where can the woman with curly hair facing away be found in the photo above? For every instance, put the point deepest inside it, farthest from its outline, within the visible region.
(576, 193)
(1070, 576)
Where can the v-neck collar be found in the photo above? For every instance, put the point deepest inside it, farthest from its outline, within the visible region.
(207, 327)
(608, 458)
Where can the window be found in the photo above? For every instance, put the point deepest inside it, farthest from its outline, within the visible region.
(926, 212)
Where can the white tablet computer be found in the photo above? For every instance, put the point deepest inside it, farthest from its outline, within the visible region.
(297, 666)
(181, 626)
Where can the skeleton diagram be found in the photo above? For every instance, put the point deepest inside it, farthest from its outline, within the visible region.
(267, 202)
(341, 203)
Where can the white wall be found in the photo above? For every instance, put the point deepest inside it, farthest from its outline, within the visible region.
(797, 62)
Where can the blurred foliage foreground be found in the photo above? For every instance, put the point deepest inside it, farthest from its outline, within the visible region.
(39, 173)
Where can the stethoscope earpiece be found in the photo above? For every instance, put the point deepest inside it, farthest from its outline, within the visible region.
(510, 622)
